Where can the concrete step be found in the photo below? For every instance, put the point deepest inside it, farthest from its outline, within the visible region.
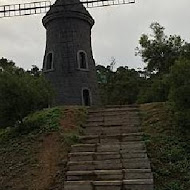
(80, 166)
(111, 130)
(107, 156)
(132, 137)
(90, 156)
(83, 148)
(108, 175)
(108, 148)
(107, 185)
(115, 138)
(138, 184)
(115, 110)
(128, 147)
(78, 185)
(136, 163)
(134, 155)
(121, 109)
(81, 156)
(96, 175)
(98, 156)
(119, 130)
(122, 148)
(89, 139)
(114, 164)
(80, 176)
(95, 119)
(122, 114)
(122, 106)
(122, 119)
(130, 174)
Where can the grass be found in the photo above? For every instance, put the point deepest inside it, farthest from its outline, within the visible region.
(33, 155)
(168, 148)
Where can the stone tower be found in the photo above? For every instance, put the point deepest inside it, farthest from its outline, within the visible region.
(68, 61)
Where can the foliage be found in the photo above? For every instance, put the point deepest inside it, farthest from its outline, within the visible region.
(120, 86)
(68, 119)
(179, 81)
(168, 148)
(155, 89)
(21, 92)
(76, 115)
(159, 51)
(36, 155)
(45, 120)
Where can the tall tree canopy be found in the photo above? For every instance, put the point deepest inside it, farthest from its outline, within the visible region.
(120, 86)
(160, 51)
(21, 92)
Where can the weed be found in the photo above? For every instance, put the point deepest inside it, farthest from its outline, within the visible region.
(168, 148)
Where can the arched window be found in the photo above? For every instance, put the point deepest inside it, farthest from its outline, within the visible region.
(49, 61)
(86, 97)
(82, 60)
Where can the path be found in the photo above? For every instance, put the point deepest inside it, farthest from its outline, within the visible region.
(112, 155)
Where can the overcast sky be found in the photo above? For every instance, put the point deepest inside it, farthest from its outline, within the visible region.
(115, 34)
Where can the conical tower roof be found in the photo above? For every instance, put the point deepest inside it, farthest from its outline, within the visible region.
(69, 8)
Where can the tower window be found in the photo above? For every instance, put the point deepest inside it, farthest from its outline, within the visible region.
(82, 60)
(49, 61)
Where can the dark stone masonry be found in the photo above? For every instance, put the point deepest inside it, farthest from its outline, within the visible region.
(68, 61)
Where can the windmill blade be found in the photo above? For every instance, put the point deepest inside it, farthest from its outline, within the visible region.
(43, 6)
(24, 9)
(103, 3)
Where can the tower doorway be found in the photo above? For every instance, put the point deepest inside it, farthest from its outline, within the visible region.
(86, 98)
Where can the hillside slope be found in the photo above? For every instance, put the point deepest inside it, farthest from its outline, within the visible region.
(169, 148)
(33, 157)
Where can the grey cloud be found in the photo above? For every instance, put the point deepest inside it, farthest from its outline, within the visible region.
(116, 31)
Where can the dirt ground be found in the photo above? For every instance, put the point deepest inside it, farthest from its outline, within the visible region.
(36, 161)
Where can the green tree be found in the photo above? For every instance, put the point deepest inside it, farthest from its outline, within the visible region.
(159, 51)
(21, 93)
(179, 95)
(120, 86)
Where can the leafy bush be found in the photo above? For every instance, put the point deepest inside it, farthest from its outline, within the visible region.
(21, 93)
(180, 92)
(156, 90)
(45, 120)
(118, 87)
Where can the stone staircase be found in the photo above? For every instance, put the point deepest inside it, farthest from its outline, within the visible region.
(111, 155)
